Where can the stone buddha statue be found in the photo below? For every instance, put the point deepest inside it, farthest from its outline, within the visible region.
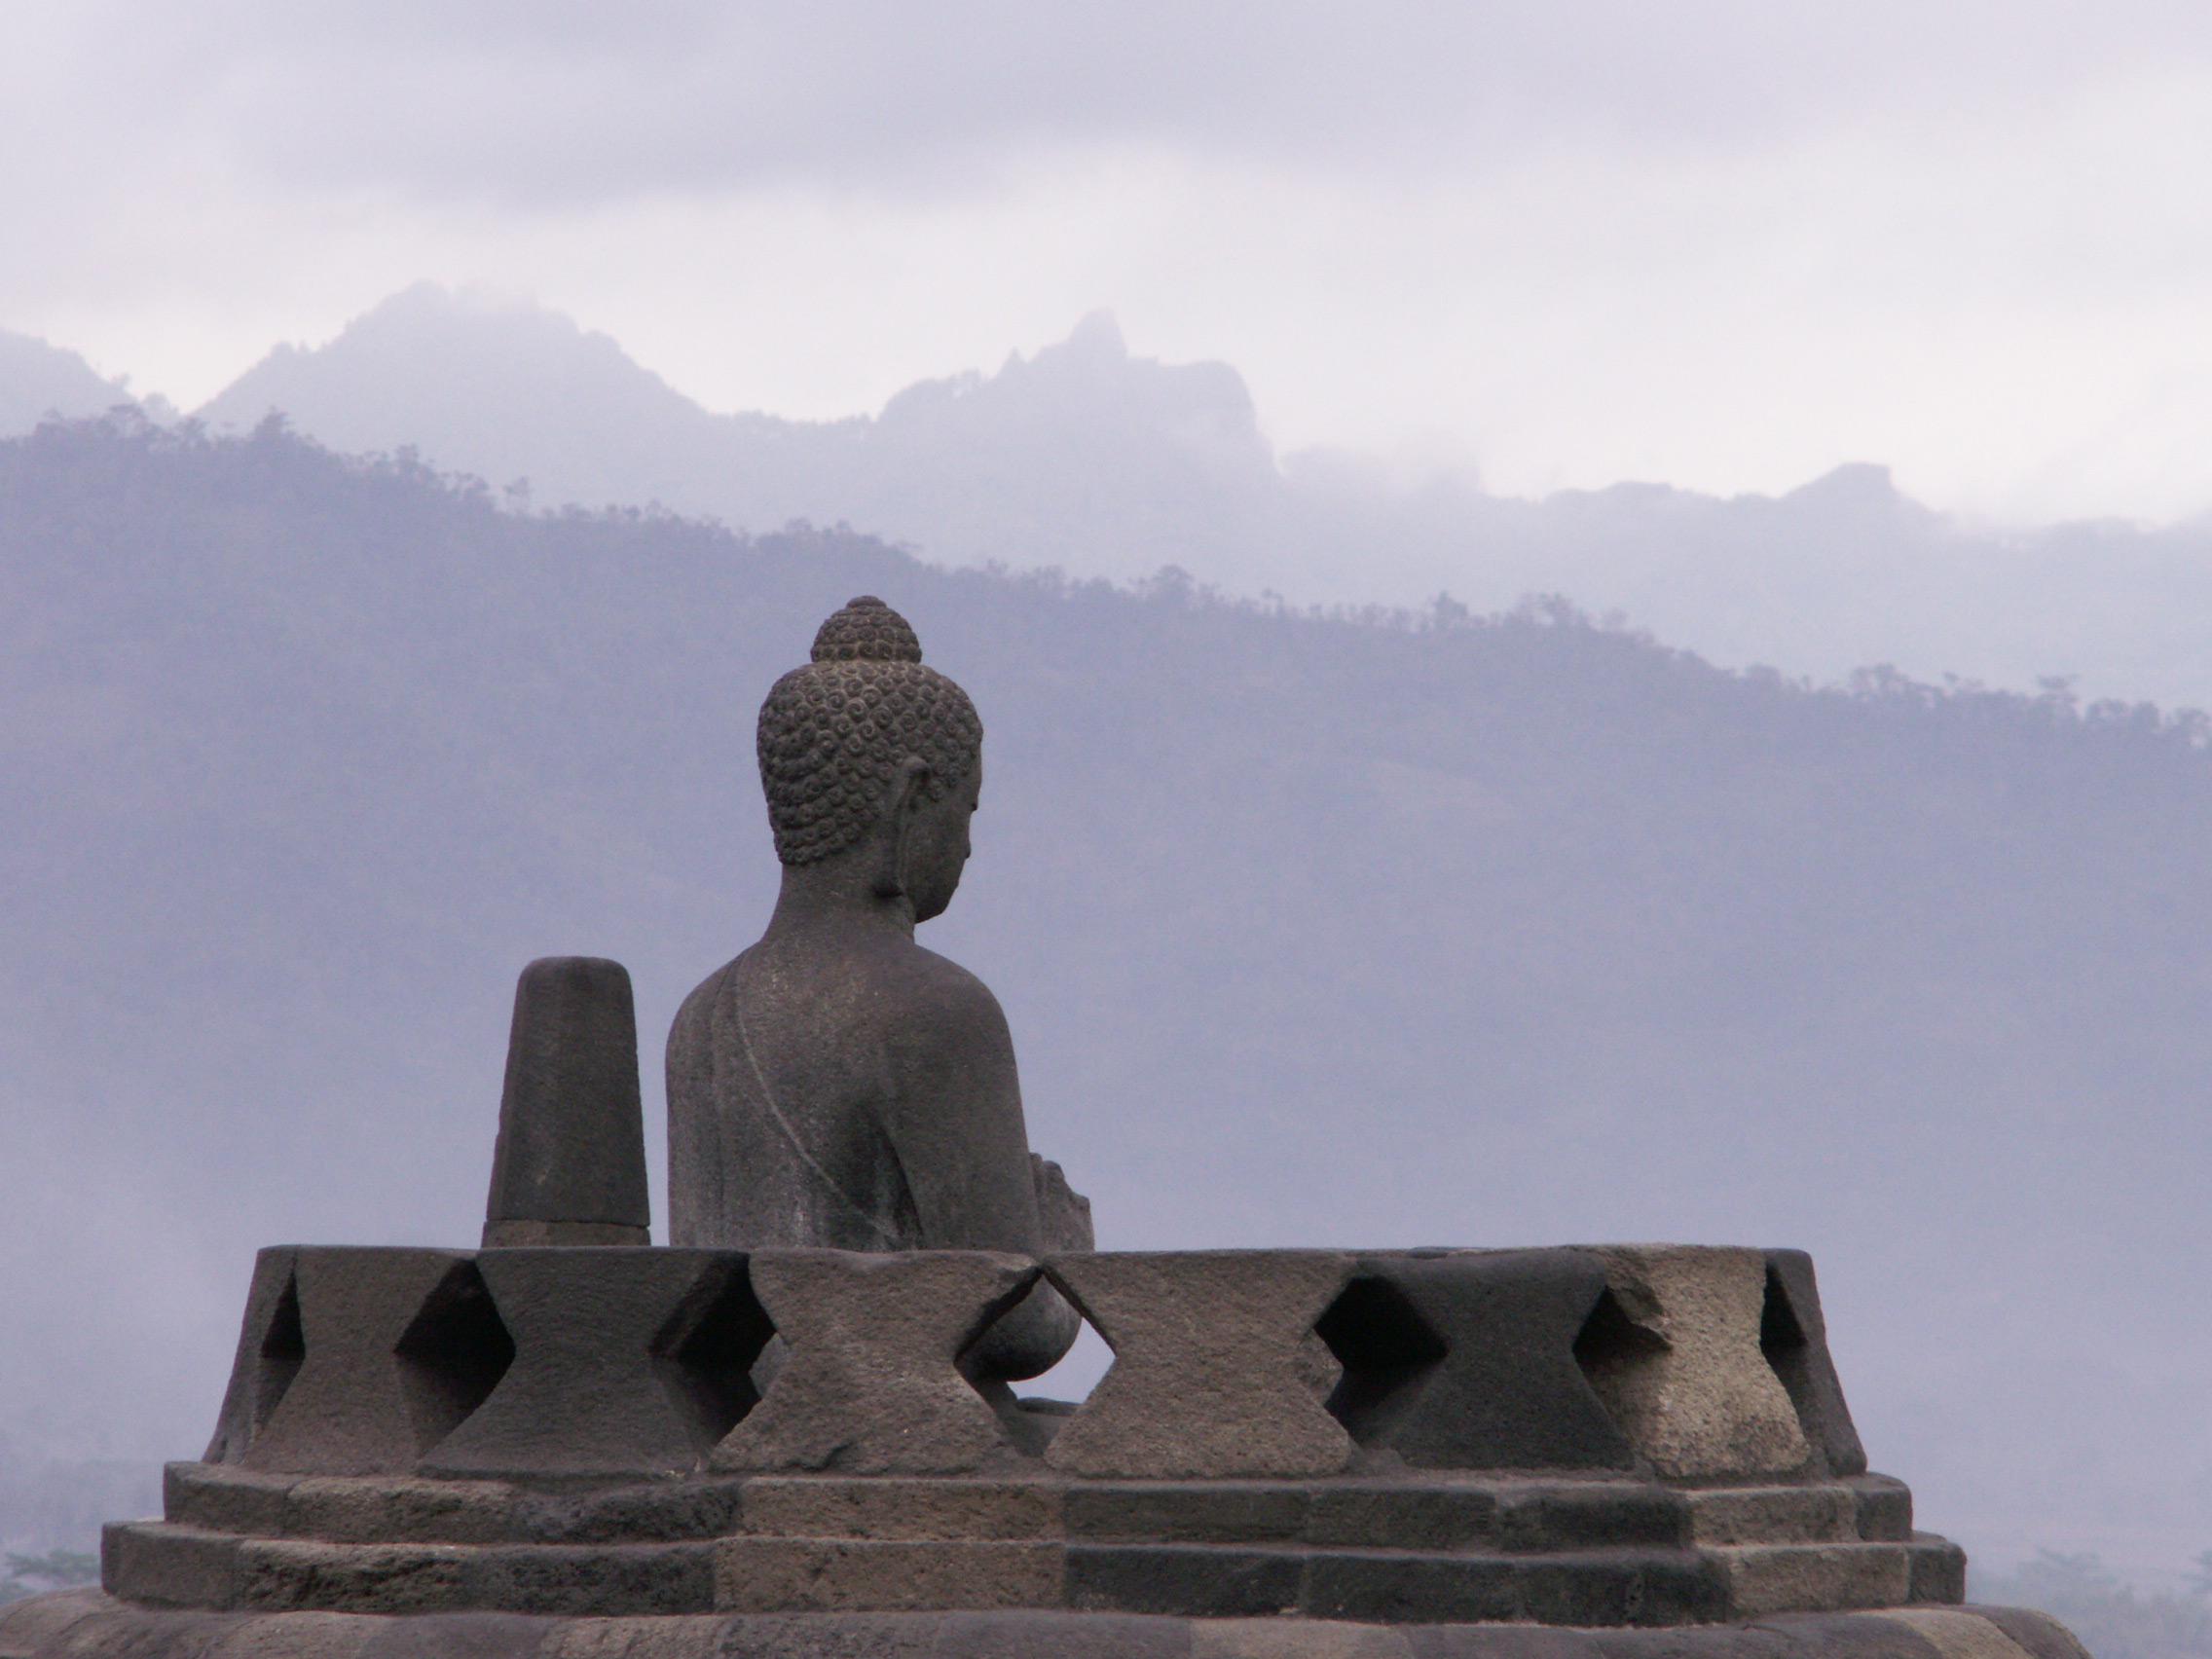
(837, 1084)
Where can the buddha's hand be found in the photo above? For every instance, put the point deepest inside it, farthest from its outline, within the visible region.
(1063, 1214)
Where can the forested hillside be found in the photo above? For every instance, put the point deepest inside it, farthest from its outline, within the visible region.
(1367, 929)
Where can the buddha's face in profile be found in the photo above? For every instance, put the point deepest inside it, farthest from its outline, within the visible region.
(937, 844)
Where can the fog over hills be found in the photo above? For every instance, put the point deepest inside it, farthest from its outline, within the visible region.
(38, 381)
(1100, 464)
(1373, 931)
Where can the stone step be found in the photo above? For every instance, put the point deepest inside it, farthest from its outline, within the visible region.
(165, 1564)
(88, 1624)
(1416, 1512)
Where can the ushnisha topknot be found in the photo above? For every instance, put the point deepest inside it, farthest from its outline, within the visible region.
(833, 734)
(867, 630)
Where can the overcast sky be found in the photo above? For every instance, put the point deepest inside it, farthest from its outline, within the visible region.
(1727, 244)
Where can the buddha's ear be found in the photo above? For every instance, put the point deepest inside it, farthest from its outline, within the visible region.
(909, 793)
(909, 785)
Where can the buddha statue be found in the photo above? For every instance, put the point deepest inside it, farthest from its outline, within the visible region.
(837, 1084)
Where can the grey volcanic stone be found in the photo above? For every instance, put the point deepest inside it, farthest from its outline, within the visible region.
(1507, 1642)
(1208, 1377)
(1466, 1361)
(1397, 1518)
(825, 1506)
(886, 1574)
(459, 1635)
(270, 1350)
(398, 1346)
(871, 1385)
(569, 1166)
(1195, 1581)
(1193, 1512)
(1795, 1340)
(1393, 1589)
(600, 1335)
(837, 1086)
(1781, 1578)
(1545, 1516)
(1937, 1569)
(1681, 1370)
(1885, 1508)
(2042, 1636)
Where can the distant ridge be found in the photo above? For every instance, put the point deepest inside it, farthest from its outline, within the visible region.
(1082, 457)
(38, 380)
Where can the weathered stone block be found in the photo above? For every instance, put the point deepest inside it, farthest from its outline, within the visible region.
(1192, 1580)
(824, 1574)
(871, 1385)
(1674, 1352)
(1624, 1587)
(1294, 1639)
(400, 1345)
(298, 1635)
(1937, 1571)
(1467, 1360)
(1548, 1516)
(459, 1635)
(1779, 1578)
(827, 1506)
(279, 1575)
(1046, 1634)
(167, 1565)
(220, 1497)
(1957, 1634)
(1402, 1518)
(696, 1508)
(1506, 1641)
(570, 1163)
(667, 1636)
(594, 1578)
(398, 1509)
(1773, 1515)
(1412, 1589)
(1187, 1512)
(1208, 1379)
(1795, 1340)
(1885, 1508)
(598, 1337)
(2039, 1634)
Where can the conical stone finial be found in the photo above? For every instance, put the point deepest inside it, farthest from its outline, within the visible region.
(569, 1167)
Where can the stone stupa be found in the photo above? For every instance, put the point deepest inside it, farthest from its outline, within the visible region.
(794, 1433)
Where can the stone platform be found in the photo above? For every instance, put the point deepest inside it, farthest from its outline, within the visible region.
(1397, 1548)
(91, 1622)
(647, 1451)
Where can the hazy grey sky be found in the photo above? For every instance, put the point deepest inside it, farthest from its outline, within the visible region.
(1726, 244)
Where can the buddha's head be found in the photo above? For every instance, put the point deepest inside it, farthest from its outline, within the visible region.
(867, 754)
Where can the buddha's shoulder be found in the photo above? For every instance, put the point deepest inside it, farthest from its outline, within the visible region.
(891, 980)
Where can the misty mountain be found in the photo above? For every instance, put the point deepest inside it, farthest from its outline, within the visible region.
(1085, 458)
(38, 380)
(1383, 930)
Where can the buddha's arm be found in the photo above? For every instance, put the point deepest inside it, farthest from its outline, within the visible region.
(955, 1118)
(957, 1128)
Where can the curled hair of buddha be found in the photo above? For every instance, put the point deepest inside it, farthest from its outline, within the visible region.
(833, 734)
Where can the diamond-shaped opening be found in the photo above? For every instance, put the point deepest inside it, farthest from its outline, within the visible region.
(1617, 1355)
(1386, 1351)
(452, 1355)
(707, 1353)
(1045, 1318)
(283, 1351)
